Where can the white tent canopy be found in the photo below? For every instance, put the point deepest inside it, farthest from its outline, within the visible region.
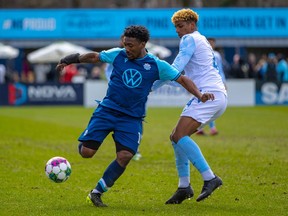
(57, 50)
(54, 52)
(8, 52)
(160, 51)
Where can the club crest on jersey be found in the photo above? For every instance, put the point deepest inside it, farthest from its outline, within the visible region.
(132, 78)
(147, 66)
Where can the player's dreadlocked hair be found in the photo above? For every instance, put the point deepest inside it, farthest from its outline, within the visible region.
(185, 15)
(137, 31)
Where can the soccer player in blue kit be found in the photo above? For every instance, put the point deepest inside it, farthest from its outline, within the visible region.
(108, 72)
(123, 108)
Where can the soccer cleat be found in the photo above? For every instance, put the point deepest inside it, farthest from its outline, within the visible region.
(95, 199)
(213, 132)
(137, 156)
(209, 187)
(180, 195)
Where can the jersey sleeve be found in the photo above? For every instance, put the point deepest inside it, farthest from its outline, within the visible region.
(186, 50)
(108, 56)
(167, 71)
(159, 83)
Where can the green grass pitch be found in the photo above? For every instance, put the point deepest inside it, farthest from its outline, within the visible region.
(250, 154)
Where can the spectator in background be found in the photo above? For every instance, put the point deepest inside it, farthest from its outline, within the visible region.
(96, 73)
(27, 75)
(226, 67)
(2, 73)
(218, 59)
(52, 75)
(270, 73)
(239, 69)
(68, 73)
(282, 68)
(83, 71)
(261, 67)
(41, 71)
(251, 66)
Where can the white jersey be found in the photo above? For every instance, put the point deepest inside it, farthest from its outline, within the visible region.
(196, 58)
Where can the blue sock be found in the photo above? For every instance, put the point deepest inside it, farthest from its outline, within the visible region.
(182, 162)
(111, 174)
(212, 124)
(194, 153)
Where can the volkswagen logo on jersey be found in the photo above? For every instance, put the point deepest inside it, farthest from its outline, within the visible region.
(132, 78)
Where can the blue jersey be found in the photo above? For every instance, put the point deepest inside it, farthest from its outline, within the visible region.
(131, 80)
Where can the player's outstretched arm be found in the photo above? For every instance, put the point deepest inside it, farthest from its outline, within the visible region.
(190, 86)
(92, 57)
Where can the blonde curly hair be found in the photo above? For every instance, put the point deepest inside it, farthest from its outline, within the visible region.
(185, 15)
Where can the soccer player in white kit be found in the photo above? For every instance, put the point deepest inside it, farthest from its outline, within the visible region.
(197, 60)
(218, 58)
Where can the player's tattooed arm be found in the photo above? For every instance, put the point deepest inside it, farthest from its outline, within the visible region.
(92, 57)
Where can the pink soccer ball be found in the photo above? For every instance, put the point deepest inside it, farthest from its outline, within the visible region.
(58, 169)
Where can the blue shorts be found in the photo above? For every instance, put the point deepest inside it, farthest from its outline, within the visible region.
(127, 130)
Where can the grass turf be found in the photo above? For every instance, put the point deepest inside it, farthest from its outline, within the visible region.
(249, 154)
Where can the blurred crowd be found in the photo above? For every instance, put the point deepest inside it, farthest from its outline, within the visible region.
(269, 67)
(43, 73)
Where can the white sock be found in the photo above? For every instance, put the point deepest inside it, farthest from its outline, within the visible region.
(184, 182)
(95, 191)
(207, 175)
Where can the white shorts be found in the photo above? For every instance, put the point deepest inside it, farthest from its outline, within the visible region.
(208, 111)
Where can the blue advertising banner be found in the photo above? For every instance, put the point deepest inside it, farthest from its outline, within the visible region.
(109, 23)
(271, 93)
(16, 94)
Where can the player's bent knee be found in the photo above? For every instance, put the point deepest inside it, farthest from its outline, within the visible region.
(87, 149)
(87, 152)
(124, 157)
(174, 138)
(171, 138)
